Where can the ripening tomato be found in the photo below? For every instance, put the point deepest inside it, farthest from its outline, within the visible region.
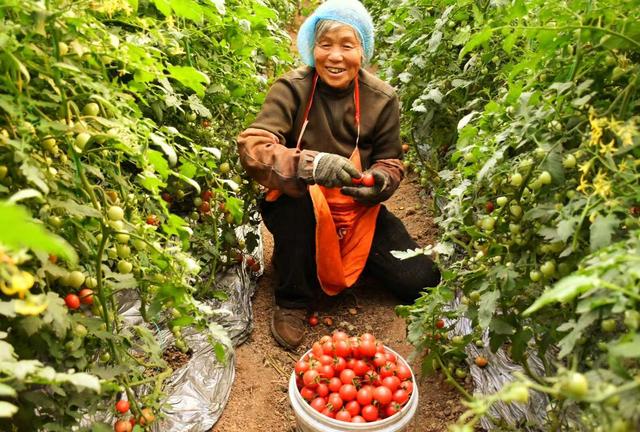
(348, 392)
(122, 426)
(206, 195)
(86, 296)
(481, 361)
(343, 415)
(370, 413)
(440, 323)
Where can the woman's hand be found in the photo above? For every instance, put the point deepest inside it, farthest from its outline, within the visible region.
(332, 170)
(369, 195)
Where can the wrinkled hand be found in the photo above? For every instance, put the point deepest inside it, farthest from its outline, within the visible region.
(334, 170)
(369, 195)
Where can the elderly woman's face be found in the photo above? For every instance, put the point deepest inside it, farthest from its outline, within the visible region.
(338, 56)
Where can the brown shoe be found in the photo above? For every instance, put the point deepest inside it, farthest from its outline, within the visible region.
(287, 326)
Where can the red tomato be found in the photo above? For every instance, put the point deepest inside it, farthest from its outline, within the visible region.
(407, 385)
(356, 180)
(360, 367)
(400, 396)
(72, 301)
(343, 415)
(206, 195)
(342, 348)
(392, 408)
(368, 181)
(325, 359)
(322, 389)
(365, 396)
(391, 356)
(358, 419)
(348, 392)
(335, 384)
(339, 364)
(347, 376)
(86, 296)
(313, 321)
(311, 379)
(328, 412)
(335, 401)
(316, 349)
(383, 395)
(371, 377)
(166, 196)
(318, 404)
(368, 348)
(328, 348)
(403, 372)
(301, 367)
(326, 371)
(388, 369)
(205, 207)
(440, 323)
(370, 413)
(153, 220)
(307, 393)
(122, 426)
(379, 359)
(339, 336)
(353, 407)
(391, 382)
(122, 406)
(368, 336)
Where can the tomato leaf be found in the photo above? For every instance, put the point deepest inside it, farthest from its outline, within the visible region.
(626, 348)
(487, 307)
(602, 231)
(564, 290)
(189, 77)
(476, 40)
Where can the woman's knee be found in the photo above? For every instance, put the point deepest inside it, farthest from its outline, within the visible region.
(410, 285)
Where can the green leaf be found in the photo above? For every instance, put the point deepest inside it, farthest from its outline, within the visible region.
(476, 40)
(189, 77)
(187, 9)
(159, 163)
(25, 233)
(235, 207)
(602, 231)
(220, 352)
(75, 209)
(567, 343)
(627, 349)
(56, 315)
(164, 6)
(564, 290)
(150, 182)
(7, 409)
(487, 308)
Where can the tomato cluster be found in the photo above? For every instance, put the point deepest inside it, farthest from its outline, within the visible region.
(353, 379)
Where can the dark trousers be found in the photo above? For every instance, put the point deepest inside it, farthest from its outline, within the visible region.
(292, 223)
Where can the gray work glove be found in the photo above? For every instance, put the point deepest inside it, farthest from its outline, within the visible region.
(332, 170)
(373, 194)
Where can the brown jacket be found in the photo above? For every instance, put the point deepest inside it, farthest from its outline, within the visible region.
(268, 147)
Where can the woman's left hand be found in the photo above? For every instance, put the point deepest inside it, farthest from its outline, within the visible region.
(369, 195)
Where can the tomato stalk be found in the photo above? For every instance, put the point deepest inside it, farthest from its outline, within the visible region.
(452, 380)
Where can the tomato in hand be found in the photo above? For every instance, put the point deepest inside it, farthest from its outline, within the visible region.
(368, 180)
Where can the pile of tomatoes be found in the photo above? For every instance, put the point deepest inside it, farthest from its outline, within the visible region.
(353, 379)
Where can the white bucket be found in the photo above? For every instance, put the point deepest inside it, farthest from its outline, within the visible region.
(310, 420)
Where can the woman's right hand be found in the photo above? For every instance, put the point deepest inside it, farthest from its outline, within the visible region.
(332, 170)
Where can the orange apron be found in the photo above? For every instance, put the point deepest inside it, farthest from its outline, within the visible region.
(344, 227)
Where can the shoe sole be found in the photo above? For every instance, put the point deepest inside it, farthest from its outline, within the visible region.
(278, 339)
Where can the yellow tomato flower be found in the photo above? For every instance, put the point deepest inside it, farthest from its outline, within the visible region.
(20, 283)
(608, 148)
(601, 185)
(33, 305)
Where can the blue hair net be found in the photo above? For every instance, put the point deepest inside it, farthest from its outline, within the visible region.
(350, 12)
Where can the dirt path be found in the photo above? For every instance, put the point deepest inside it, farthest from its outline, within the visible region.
(258, 399)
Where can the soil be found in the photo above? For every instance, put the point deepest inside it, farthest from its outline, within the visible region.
(259, 400)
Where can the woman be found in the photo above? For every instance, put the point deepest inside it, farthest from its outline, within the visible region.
(321, 128)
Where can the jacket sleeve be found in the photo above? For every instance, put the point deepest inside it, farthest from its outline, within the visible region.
(263, 146)
(387, 152)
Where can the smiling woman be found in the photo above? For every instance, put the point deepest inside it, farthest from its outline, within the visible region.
(326, 145)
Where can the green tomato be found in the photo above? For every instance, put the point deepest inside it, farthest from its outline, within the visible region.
(548, 268)
(474, 296)
(197, 201)
(535, 275)
(575, 385)
(125, 267)
(112, 253)
(457, 340)
(569, 161)
(49, 144)
(461, 373)
(115, 213)
(545, 178)
(225, 167)
(80, 331)
(105, 357)
(469, 157)
(81, 140)
(632, 319)
(516, 210)
(517, 393)
(514, 228)
(124, 251)
(488, 223)
(75, 279)
(63, 48)
(55, 221)
(516, 180)
(139, 244)
(502, 201)
(91, 109)
(608, 325)
(191, 116)
(620, 425)
(122, 238)
(91, 282)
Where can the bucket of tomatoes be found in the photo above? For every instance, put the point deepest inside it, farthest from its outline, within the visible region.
(352, 383)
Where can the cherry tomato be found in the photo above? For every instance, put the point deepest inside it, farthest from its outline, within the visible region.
(318, 404)
(358, 419)
(86, 296)
(335, 401)
(72, 301)
(313, 321)
(403, 372)
(353, 407)
(348, 392)
(370, 413)
(122, 426)
(440, 323)
(368, 180)
(307, 393)
(481, 361)
(400, 396)
(365, 396)
(343, 415)
(368, 348)
(356, 181)
(301, 367)
(311, 378)
(205, 207)
(322, 390)
(206, 195)
(122, 406)
(391, 382)
(335, 384)
(382, 395)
